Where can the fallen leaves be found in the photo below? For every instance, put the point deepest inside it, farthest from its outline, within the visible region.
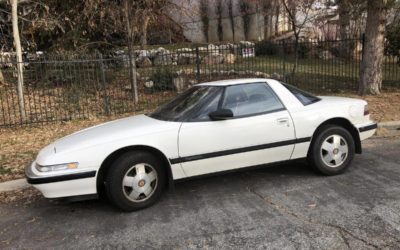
(22, 196)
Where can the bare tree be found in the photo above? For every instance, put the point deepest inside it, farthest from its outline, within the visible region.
(277, 10)
(231, 19)
(373, 52)
(303, 7)
(18, 50)
(220, 30)
(130, 31)
(351, 14)
(268, 11)
(245, 6)
(144, 28)
(137, 16)
(204, 18)
(344, 18)
(148, 12)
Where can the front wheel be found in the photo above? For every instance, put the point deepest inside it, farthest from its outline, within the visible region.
(332, 151)
(135, 180)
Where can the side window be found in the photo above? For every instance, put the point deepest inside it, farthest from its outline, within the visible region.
(210, 104)
(251, 99)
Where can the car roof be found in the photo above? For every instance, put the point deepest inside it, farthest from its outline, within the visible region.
(233, 82)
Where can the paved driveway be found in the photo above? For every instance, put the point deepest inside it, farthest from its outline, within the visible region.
(278, 207)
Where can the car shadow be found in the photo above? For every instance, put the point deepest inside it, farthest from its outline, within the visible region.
(217, 181)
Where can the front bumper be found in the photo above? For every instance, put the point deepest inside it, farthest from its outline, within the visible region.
(56, 185)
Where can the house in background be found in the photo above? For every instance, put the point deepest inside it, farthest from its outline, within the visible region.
(230, 20)
(236, 20)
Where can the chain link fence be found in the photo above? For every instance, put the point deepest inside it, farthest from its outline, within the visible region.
(68, 87)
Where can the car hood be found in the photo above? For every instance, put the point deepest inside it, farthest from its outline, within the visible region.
(129, 127)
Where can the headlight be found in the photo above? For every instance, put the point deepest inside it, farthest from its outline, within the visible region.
(57, 167)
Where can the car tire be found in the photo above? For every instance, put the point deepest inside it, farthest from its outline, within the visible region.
(332, 150)
(135, 180)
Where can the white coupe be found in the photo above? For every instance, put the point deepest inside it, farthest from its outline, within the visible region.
(210, 128)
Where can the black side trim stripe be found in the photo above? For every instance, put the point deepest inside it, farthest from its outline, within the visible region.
(69, 177)
(247, 168)
(238, 150)
(369, 127)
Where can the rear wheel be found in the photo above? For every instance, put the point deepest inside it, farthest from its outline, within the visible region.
(332, 150)
(135, 180)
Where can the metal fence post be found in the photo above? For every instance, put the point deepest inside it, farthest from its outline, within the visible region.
(197, 64)
(284, 60)
(362, 46)
(104, 85)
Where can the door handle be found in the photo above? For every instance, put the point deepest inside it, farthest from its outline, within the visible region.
(282, 121)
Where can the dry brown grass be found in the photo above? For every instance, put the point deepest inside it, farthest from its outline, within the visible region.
(19, 146)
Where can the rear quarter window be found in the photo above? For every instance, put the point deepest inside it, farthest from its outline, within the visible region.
(304, 97)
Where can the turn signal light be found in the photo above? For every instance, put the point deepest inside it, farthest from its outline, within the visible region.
(57, 167)
(72, 165)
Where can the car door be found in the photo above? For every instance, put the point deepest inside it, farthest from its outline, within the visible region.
(260, 131)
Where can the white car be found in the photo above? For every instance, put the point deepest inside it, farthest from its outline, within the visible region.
(210, 128)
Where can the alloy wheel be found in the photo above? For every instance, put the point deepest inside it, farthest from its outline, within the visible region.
(140, 182)
(334, 151)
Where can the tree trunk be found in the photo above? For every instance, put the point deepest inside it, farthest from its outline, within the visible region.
(132, 62)
(267, 19)
(373, 50)
(204, 18)
(344, 28)
(344, 18)
(219, 19)
(266, 25)
(231, 19)
(276, 26)
(18, 50)
(1, 78)
(145, 25)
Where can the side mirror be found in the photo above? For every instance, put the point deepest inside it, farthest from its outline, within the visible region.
(221, 114)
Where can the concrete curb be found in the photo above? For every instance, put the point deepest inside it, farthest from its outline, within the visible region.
(21, 183)
(13, 185)
(389, 125)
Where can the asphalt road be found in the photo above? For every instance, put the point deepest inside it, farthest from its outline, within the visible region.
(278, 207)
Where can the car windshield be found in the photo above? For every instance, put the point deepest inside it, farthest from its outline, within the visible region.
(187, 104)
